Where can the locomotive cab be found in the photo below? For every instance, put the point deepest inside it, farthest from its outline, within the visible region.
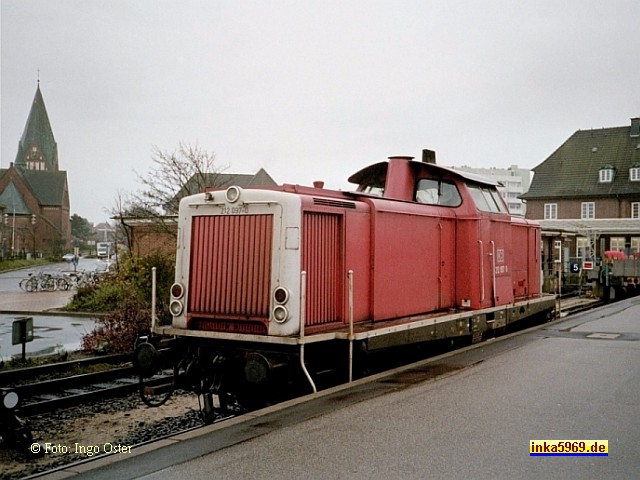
(473, 236)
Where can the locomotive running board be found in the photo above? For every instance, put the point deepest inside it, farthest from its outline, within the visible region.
(405, 330)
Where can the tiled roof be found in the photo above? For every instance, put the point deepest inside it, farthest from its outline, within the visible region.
(220, 180)
(48, 187)
(572, 171)
(260, 178)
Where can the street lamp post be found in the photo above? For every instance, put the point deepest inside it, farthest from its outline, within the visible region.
(13, 232)
(33, 223)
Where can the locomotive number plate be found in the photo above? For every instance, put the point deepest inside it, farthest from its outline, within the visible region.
(235, 210)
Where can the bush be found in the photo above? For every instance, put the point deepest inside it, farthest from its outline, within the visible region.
(126, 299)
(132, 280)
(117, 332)
(106, 297)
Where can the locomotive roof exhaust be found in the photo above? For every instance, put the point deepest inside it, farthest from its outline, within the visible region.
(428, 156)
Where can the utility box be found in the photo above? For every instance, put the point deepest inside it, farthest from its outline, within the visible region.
(22, 330)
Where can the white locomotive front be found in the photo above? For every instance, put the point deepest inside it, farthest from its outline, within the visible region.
(238, 264)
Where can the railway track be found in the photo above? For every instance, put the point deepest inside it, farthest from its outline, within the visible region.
(48, 395)
(47, 388)
(15, 375)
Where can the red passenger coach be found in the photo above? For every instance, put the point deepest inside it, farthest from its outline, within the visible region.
(417, 253)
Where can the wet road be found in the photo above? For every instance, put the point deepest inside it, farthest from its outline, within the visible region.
(9, 281)
(52, 333)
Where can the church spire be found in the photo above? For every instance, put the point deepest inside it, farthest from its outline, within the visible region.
(37, 149)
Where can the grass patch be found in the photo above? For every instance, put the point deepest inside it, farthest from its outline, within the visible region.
(16, 264)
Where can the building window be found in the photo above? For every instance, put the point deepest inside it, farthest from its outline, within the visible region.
(634, 174)
(616, 243)
(606, 174)
(550, 211)
(588, 210)
(635, 209)
(582, 248)
(635, 245)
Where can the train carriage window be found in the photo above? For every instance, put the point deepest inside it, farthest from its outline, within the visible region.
(432, 191)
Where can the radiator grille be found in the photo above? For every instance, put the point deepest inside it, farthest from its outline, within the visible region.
(230, 268)
(328, 202)
(229, 326)
(322, 260)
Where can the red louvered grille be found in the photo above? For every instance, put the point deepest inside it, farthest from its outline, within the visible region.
(229, 326)
(322, 260)
(230, 269)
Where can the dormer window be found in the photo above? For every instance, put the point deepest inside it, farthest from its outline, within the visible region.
(606, 174)
(634, 173)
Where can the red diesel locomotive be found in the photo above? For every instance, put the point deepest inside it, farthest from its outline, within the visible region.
(275, 282)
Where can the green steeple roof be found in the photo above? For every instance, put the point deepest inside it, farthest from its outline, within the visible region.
(37, 143)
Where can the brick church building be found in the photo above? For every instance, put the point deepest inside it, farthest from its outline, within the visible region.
(34, 193)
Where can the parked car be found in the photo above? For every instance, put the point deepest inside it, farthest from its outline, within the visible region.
(68, 257)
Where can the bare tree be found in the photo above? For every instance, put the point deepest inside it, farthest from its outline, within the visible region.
(174, 175)
(120, 212)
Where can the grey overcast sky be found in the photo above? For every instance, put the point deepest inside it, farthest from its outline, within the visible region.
(308, 89)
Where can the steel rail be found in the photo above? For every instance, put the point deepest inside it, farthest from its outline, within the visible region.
(15, 374)
(97, 392)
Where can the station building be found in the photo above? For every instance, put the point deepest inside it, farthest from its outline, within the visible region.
(586, 196)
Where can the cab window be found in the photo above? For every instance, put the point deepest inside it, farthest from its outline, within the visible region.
(373, 185)
(432, 191)
(487, 200)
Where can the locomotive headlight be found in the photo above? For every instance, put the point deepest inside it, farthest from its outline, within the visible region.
(280, 314)
(232, 194)
(177, 290)
(281, 295)
(176, 307)
(10, 398)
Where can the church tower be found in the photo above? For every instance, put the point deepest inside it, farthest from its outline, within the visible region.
(37, 149)
(34, 193)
